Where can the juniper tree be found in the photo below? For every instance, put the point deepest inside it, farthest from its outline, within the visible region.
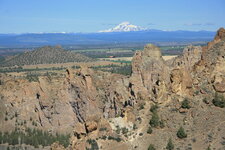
(170, 145)
(181, 133)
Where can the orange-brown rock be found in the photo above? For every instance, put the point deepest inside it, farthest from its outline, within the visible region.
(91, 126)
(182, 67)
(57, 146)
(220, 35)
(79, 130)
(149, 78)
(129, 115)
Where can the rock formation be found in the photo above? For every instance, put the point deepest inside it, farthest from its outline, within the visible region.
(149, 78)
(111, 111)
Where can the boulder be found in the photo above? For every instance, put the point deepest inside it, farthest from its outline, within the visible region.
(91, 126)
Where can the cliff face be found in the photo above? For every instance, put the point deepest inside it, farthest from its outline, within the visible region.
(155, 79)
(108, 108)
(53, 103)
(150, 75)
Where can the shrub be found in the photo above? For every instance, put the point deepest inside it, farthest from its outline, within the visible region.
(141, 107)
(208, 148)
(185, 104)
(118, 69)
(154, 122)
(104, 137)
(32, 77)
(154, 108)
(181, 133)
(118, 139)
(102, 129)
(151, 147)
(134, 126)
(94, 145)
(219, 100)
(16, 114)
(149, 131)
(34, 123)
(161, 124)
(170, 145)
(118, 129)
(124, 130)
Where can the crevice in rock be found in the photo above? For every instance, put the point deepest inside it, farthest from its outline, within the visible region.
(86, 129)
(38, 96)
(75, 106)
(39, 118)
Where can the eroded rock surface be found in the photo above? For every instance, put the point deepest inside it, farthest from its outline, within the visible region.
(111, 111)
(149, 78)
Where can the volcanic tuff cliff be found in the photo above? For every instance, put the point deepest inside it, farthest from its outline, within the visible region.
(112, 111)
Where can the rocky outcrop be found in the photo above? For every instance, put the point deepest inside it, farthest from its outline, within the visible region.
(181, 71)
(210, 69)
(57, 103)
(149, 78)
(153, 78)
(220, 36)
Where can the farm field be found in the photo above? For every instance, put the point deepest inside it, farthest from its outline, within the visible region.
(130, 58)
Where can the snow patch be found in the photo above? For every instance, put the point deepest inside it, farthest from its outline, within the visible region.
(124, 27)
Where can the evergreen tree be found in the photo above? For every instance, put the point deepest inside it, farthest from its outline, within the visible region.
(151, 147)
(154, 108)
(185, 104)
(219, 100)
(154, 122)
(208, 148)
(149, 131)
(170, 145)
(181, 133)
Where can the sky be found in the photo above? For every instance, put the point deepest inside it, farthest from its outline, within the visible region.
(23, 16)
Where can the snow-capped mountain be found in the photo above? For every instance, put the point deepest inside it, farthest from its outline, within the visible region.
(124, 27)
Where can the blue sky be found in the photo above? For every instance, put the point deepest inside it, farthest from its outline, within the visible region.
(19, 16)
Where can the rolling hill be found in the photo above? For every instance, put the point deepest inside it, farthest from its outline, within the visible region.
(46, 55)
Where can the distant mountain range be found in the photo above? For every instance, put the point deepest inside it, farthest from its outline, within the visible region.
(108, 37)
